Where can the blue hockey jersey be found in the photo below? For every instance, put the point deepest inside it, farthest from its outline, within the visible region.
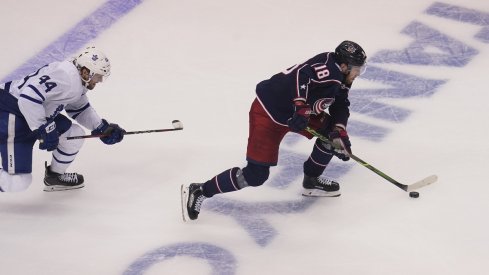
(318, 82)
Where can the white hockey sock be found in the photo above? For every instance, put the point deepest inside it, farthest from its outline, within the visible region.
(67, 150)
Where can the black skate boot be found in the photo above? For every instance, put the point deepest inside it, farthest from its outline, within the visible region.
(61, 182)
(320, 187)
(192, 198)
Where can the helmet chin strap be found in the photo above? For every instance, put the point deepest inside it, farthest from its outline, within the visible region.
(86, 82)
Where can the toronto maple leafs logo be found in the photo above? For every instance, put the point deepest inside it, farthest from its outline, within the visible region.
(58, 110)
(95, 57)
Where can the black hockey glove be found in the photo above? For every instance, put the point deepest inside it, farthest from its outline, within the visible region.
(112, 133)
(341, 146)
(48, 136)
(298, 122)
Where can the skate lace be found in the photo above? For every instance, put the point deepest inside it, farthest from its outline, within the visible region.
(198, 203)
(325, 181)
(69, 177)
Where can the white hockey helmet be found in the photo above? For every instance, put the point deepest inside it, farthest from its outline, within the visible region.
(94, 60)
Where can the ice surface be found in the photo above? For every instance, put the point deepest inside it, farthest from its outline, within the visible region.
(420, 109)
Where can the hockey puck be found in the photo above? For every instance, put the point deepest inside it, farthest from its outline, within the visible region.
(414, 194)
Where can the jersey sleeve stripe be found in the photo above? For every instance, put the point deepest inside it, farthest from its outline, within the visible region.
(37, 92)
(31, 99)
(325, 81)
(298, 84)
(77, 112)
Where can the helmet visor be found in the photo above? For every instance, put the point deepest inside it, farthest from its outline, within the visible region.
(98, 78)
(358, 70)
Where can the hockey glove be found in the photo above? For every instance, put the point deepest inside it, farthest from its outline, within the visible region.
(298, 122)
(111, 132)
(341, 146)
(48, 136)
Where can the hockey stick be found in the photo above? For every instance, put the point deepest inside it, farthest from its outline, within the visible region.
(408, 188)
(177, 125)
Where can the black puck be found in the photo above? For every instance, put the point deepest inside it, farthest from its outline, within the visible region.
(414, 194)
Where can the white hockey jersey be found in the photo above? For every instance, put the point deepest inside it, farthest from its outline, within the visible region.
(53, 88)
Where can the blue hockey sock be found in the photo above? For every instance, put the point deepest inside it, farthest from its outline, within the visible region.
(318, 160)
(222, 183)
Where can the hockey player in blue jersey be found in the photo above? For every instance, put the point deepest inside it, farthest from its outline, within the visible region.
(290, 101)
(30, 111)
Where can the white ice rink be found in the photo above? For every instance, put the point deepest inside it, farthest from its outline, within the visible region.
(421, 109)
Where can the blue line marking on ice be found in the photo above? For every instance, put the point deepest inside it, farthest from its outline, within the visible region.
(70, 42)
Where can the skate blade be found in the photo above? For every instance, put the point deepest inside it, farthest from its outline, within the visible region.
(184, 199)
(54, 188)
(319, 193)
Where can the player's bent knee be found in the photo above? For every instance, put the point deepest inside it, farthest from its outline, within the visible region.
(256, 175)
(14, 183)
(75, 130)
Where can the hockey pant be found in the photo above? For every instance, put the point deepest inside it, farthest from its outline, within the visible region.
(17, 141)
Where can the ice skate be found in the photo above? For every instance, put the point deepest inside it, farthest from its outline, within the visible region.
(61, 182)
(320, 187)
(192, 198)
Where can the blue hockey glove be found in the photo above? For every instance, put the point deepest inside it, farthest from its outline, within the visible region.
(298, 122)
(341, 144)
(112, 133)
(48, 136)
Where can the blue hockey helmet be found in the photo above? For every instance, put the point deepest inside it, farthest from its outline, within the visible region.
(350, 53)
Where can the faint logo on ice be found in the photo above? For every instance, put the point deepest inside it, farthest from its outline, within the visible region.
(371, 103)
(221, 261)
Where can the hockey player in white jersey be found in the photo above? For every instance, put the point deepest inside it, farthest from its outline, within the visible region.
(30, 111)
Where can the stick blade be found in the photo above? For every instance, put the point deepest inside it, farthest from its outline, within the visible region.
(177, 124)
(426, 181)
